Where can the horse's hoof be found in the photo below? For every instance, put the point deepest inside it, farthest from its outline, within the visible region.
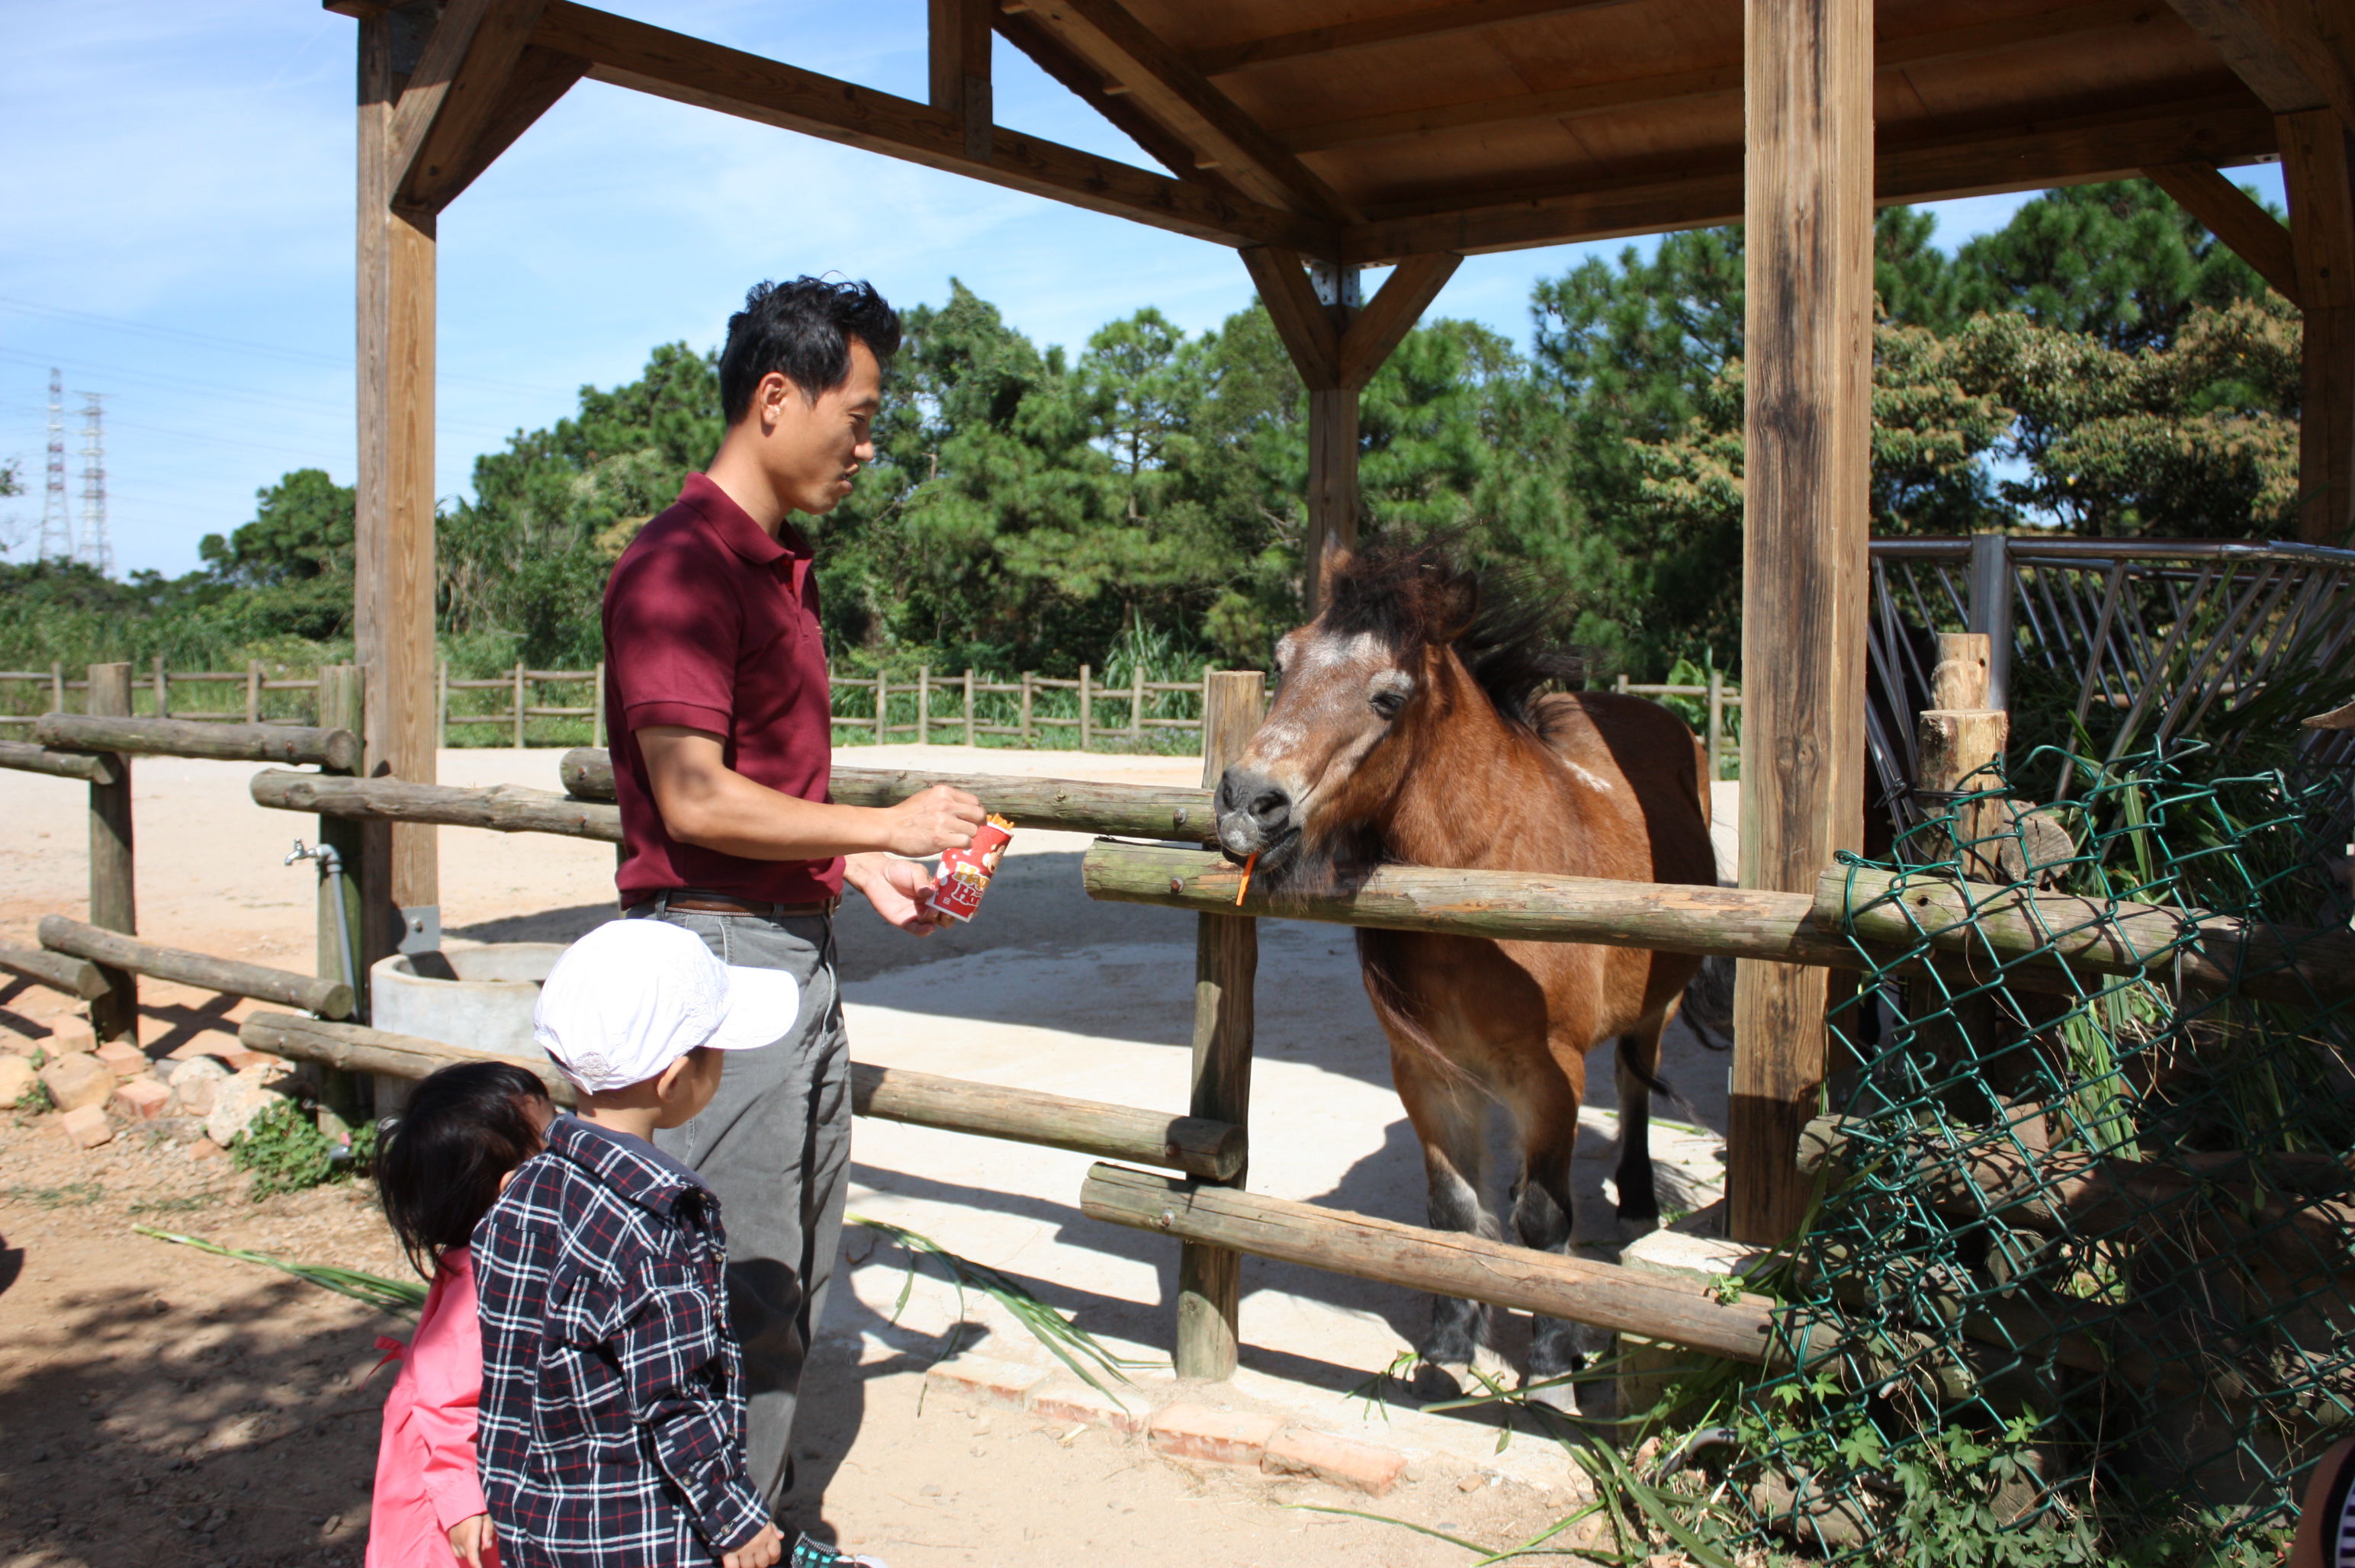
(1567, 1398)
(1632, 1226)
(1437, 1380)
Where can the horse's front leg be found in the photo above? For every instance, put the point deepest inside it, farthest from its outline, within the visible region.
(1449, 1115)
(1546, 1112)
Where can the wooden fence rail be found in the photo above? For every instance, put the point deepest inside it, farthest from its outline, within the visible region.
(926, 724)
(1191, 1145)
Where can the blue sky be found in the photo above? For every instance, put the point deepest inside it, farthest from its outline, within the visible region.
(180, 224)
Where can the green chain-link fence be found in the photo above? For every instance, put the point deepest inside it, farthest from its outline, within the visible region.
(2079, 1286)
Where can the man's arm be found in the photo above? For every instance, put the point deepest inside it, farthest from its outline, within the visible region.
(706, 803)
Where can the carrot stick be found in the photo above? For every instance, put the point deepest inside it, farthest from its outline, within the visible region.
(1245, 887)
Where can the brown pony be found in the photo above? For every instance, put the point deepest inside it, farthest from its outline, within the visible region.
(1408, 727)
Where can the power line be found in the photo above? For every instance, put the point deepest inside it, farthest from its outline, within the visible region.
(245, 346)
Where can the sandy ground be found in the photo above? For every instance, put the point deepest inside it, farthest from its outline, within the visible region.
(217, 1398)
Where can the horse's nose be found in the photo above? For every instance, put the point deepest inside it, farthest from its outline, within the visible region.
(1251, 808)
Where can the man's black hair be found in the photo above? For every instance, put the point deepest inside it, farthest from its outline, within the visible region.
(802, 330)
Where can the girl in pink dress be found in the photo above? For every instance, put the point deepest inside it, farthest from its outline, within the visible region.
(438, 1169)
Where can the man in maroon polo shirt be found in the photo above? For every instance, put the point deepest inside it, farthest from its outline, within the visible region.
(715, 669)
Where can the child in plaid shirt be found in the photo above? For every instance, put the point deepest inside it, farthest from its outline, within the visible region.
(612, 1407)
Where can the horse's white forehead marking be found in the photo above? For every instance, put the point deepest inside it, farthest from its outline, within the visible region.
(1319, 653)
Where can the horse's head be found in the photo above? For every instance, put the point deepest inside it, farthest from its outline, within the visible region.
(1405, 641)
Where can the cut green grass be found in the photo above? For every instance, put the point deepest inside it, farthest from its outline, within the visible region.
(404, 1296)
(1065, 1340)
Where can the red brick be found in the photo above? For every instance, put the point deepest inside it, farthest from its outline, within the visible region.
(1005, 1381)
(1219, 1436)
(1066, 1400)
(67, 1038)
(140, 1100)
(239, 1060)
(123, 1058)
(88, 1127)
(1361, 1467)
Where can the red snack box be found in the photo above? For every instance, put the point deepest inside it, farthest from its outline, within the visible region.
(964, 873)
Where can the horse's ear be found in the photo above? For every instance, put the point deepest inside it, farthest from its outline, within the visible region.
(1335, 557)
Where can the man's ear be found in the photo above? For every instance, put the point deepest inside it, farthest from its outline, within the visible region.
(770, 398)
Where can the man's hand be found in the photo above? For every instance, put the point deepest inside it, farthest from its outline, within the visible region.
(896, 890)
(468, 1537)
(933, 820)
(761, 1552)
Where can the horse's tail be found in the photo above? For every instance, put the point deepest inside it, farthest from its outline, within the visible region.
(1707, 1005)
(1394, 1009)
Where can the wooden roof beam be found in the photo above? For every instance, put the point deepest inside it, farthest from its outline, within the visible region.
(2295, 55)
(1720, 79)
(1392, 313)
(670, 65)
(2233, 216)
(1977, 163)
(1399, 26)
(959, 39)
(1051, 55)
(1161, 84)
(1335, 349)
(456, 91)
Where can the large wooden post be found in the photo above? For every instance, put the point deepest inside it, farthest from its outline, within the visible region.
(1226, 965)
(114, 889)
(1807, 433)
(1337, 343)
(393, 525)
(960, 40)
(1332, 511)
(2319, 175)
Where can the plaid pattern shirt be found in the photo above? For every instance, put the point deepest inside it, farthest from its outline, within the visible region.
(612, 1411)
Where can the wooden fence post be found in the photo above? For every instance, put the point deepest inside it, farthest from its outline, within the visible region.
(882, 706)
(597, 704)
(1026, 707)
(1226, 965)
(113, 892)
(924, 704)
(1136, 704)
(163, 690)
(1087, 718)
(968, 705)
(338, 943)
(1716, 724)
(57, 687)
(518, 705)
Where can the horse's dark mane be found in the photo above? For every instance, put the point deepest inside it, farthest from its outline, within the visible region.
(1412, 593)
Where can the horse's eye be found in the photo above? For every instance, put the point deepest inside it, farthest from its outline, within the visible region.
(1388, 703)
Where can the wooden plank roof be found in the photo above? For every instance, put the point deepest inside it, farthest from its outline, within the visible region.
(1361, 130)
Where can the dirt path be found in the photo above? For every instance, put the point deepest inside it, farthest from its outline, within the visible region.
(165, 1407)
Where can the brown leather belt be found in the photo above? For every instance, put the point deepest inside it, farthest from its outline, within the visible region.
(708, 903)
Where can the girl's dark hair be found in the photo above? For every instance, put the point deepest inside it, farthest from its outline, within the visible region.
(802, 330)
(439, 1164)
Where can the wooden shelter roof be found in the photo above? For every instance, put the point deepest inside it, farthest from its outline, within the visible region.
(1361, 130)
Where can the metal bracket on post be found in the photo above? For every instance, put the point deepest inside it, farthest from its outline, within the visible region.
(1337, 285)
(1991, 591)
(421, 929)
